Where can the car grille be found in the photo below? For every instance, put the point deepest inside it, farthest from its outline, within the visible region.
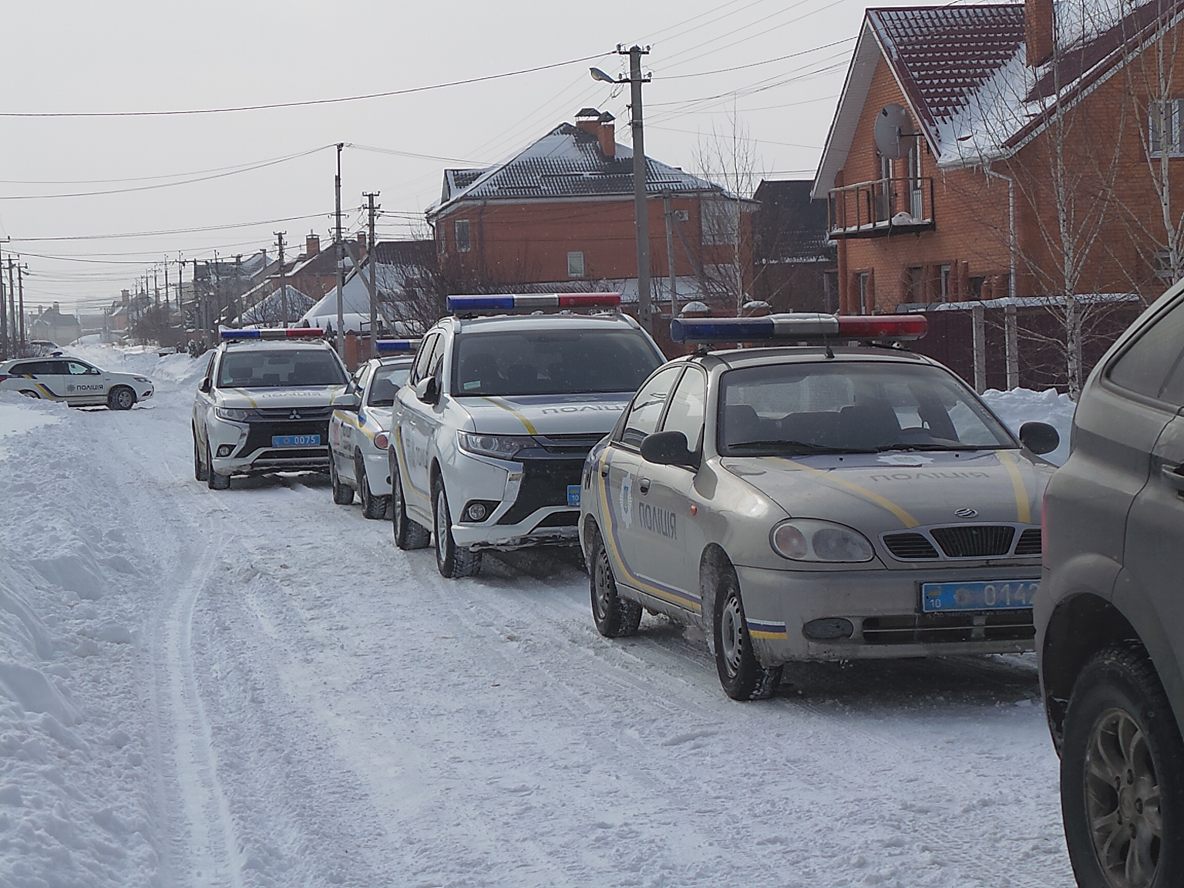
(284, 414)
(964, 541)
(974, 541)
(1011, 625)
(574, 445)
(260, 434)
(910, 546)
(544, 483)
(1031, 542)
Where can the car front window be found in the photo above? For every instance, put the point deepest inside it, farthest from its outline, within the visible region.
(280, 369)
(850, 407)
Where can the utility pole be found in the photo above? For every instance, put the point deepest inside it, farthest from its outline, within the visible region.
(279, 241)
(371, 261)
(156, 286)
(4, 353)
(636, 81)
(180, 274)
(668, 211)
(238, 288)
(339, 247)
(20, 283)
(166, 286)
(14, 317)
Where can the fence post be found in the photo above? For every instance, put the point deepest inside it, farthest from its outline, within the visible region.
(979, 320)
(1011, 334)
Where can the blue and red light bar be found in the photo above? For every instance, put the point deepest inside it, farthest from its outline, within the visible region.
(280, 333)
(396, 346)
(799, 327)
(532, 301)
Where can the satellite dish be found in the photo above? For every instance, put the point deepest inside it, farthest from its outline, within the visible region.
(893, 124)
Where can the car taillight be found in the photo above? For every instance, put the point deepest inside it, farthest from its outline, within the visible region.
(3, 377)
(381, 441)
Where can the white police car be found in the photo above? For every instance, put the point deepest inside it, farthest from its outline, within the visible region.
(488, 438)
(815, 502)
(358, 432)
(77, 382)
(264, 404)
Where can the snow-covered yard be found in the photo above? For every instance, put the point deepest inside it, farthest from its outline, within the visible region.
(255, 688)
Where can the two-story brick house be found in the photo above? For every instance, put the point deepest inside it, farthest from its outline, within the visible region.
(1024, 150)
(560, 213)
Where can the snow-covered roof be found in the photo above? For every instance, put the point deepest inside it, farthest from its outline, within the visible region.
(275, 306)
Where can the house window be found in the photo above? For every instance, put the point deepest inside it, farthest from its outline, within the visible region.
(1165, 128)
(721, 221)
(442, 241)
(863, 286)
(943, 284)
(462, 236)
(914, 284)
(575, 264)
(975, 285)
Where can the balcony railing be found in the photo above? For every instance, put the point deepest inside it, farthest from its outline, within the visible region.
(882, 207)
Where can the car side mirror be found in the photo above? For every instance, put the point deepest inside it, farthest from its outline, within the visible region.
(1039, 437)
(346, 401)
(206, 386)
(428, 390)
(668, 449)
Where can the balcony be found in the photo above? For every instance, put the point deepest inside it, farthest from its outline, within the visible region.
(881, 208)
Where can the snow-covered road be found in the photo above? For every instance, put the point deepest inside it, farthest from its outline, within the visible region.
(255, 688)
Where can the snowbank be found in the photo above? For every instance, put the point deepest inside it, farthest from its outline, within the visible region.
(1024, 405)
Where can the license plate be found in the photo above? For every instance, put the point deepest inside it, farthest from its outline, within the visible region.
(296, 441)
(978, 596)
(573, 496)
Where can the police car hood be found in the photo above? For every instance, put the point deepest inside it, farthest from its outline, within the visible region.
(545, 414)
(884, 492)
(302, 396)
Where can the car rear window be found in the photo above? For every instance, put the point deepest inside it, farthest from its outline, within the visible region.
(387, 381)
(552, 362)
(260, 368)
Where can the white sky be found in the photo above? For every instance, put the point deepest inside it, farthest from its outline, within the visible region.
(78, 55)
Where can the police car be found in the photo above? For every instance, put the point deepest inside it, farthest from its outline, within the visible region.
(264, 404)
(358, 431)
(489, 436)
(815, 502)
(76, 382)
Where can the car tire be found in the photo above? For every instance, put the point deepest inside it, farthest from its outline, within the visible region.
(373, 507)
(614, 616)
(452, 561)
(343, 494)
(1120, 729)
(740, 673)
(121, 398)
(408, 534)
(214, 481)
(200, 470)
(31, 394)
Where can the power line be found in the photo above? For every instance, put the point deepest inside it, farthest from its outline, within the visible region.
(393, 151)
(166, 232)
(309, 102)
(792, 55)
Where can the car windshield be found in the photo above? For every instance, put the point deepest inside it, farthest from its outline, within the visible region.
(552, 362)
(850, 407)
(386, 382)
(258, 368)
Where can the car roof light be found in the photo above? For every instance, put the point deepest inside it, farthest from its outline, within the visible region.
(532, 301)
(279, 333)
(798, 327)
(395, 346)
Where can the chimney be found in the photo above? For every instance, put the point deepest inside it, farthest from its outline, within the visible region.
(606, 131)
(1039, 31)
(588, 120)
(126, 296)
(312, 245)
(57, 308)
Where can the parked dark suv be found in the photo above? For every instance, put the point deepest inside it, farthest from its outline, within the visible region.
(1110, 612)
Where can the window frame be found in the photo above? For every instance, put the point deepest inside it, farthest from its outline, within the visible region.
(464, 244)
(1156, 400)
(620, 438)
(572, 254)
(423, 356)
(1175, 125)
(696, 447)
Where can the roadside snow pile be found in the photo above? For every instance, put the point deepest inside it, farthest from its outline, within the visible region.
(1024, 405)
(72, 797)
(172, 367)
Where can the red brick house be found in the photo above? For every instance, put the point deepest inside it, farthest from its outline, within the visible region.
(795, 260)
(1024, 152)
(560, 214)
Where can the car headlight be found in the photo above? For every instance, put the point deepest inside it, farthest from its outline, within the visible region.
(806, 539)
(234, 414)
(142, 379)
(497, 446)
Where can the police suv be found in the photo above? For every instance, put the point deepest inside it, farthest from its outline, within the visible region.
(264, 404)
(815, 502)
(76, 382)
(489, 435)
(358, 428)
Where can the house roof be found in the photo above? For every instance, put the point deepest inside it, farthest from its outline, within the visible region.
(565, 163)
(415, 252)
(791, 226)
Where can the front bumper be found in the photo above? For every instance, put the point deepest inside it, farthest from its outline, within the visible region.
(883, 609)
(250, 451)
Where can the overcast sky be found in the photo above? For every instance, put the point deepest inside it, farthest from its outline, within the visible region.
(138, 55)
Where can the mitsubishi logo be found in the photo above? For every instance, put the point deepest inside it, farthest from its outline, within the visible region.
(966, 513)
(295, 414)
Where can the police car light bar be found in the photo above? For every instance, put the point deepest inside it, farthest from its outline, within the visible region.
(395, 346)
(798, 327)
(530, 301)
(288, 333)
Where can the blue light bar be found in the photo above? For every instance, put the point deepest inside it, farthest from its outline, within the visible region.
(396, 346)
(528, 301)
(798, 327)
(278, 333)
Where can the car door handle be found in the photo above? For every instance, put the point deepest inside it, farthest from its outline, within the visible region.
(644, 485)
(1172, 474)
(604, 471)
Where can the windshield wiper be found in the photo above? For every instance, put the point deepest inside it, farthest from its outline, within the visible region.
(800, 446)
(907, 447)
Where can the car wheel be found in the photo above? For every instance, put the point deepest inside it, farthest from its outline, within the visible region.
(213, 480)
(373, 507)
(1122, 776)
(615, 617)
(343, 494)
(408, 534)
(31, 394)
(121, 398)
(199, 468)
(452, 561)
(740, 673)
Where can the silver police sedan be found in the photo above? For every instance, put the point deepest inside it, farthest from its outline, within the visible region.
(815, 502)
